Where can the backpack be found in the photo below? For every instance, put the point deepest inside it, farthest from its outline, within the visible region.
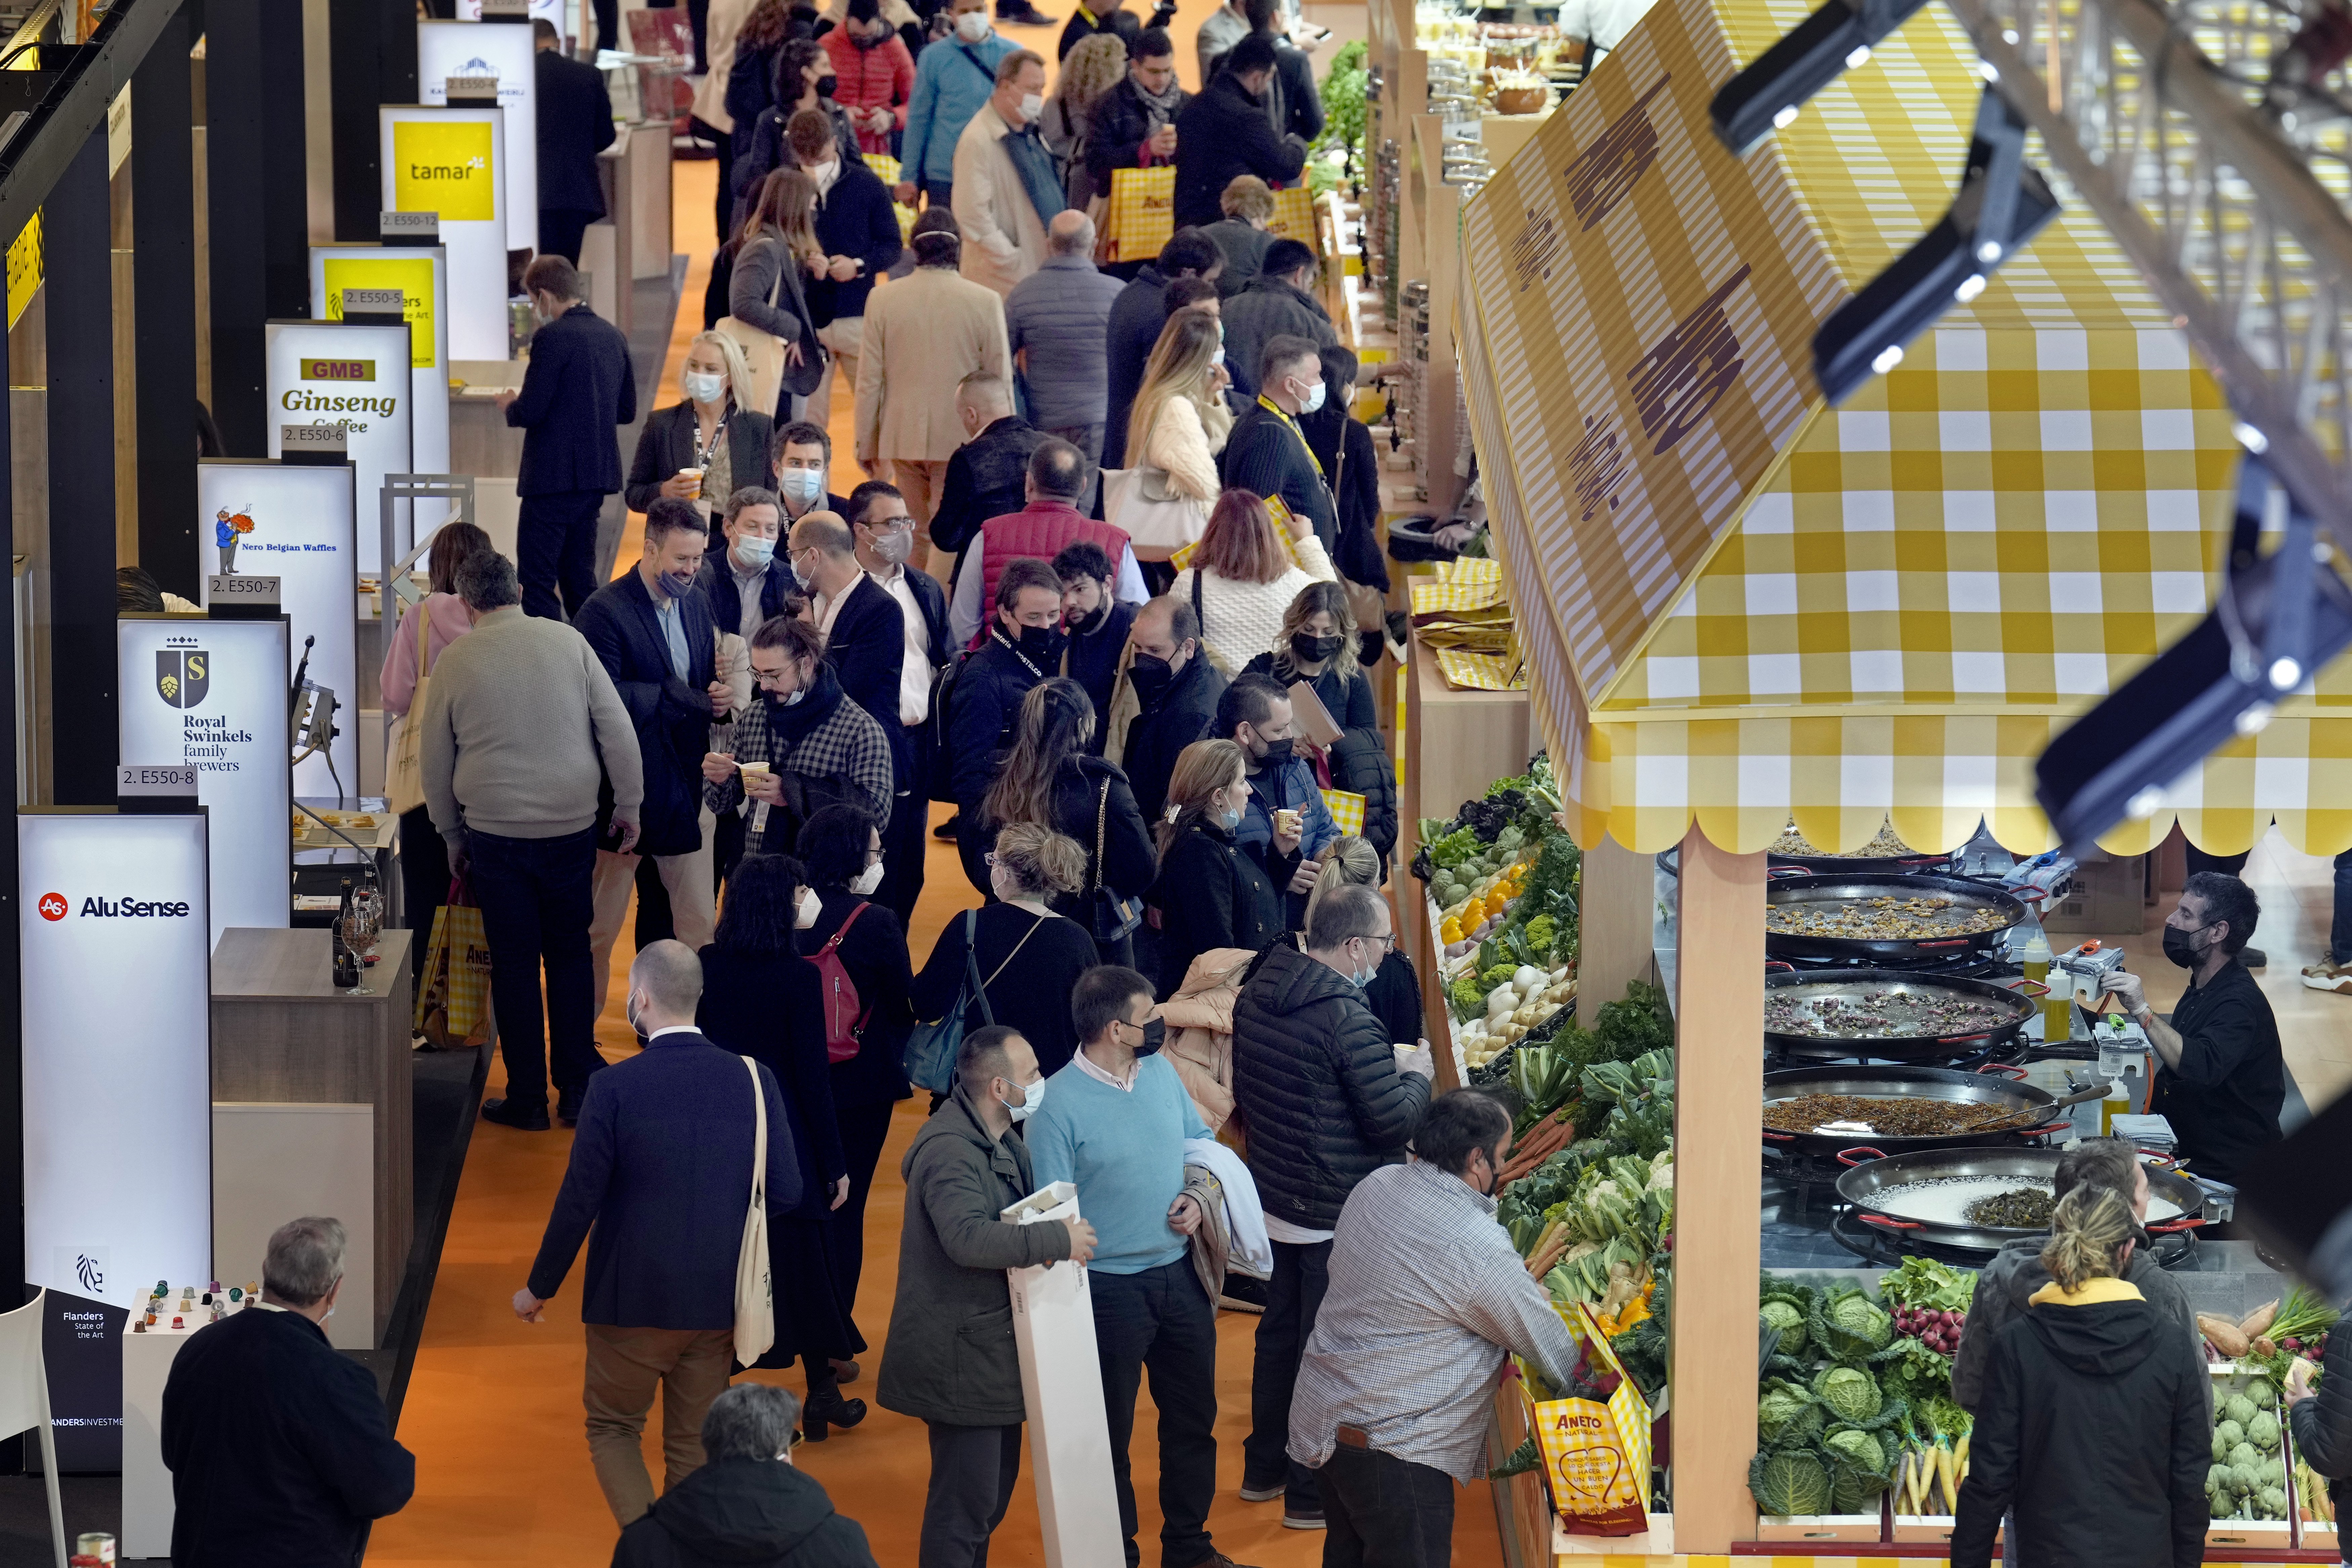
(845, 1014)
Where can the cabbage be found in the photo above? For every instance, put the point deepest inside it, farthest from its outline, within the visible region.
(1788, 1481)
(2226, 1436)
(1850, 1326)
(2240, 1409)
(1849, 1392)
(1785, 1412)
(2263, 1431)
(1785, 1317)
(1857, 1448)
(2263, 1394)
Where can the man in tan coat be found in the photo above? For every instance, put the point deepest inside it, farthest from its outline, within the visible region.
(924, 333)
(1005, 186)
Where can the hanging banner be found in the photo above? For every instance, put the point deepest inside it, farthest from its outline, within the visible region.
(503, 50)
(420, 273)
(355, 378)
(294, 522)
(450, 162)
(211, 694)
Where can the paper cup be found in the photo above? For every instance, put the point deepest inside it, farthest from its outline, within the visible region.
(696, 475)
(1287, 821)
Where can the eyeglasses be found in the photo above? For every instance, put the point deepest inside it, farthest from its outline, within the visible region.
(1388, 943)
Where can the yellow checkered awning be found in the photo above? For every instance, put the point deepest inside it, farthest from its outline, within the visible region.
(1737, 605)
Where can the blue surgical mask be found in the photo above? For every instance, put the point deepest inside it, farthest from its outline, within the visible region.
(1229, 818)
(754, 551)
(805, 485)
(703, 386)
(1313, 400)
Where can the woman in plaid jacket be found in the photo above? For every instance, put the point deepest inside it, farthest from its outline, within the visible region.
(802, 726)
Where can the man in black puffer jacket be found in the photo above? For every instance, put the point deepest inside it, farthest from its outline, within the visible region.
(748, 1506)
(2321, 1418)
(1327, 1103)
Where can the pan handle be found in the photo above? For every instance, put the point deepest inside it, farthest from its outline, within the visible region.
(1771, 1136)
(1847, 1156)
(1998, 1070)
(1786, 872)
(2051, 1127)
(1961, 1040)
(1780, 963)
(1879, 1219)
(1946, 941)
(2174, 1225)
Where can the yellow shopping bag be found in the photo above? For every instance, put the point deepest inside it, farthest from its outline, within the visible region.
(1143, 213)
(885, 169)
(1596, 1441)
(1346, 808)
(453, 1002)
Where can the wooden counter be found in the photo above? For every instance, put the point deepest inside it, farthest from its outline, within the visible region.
(283, 1033)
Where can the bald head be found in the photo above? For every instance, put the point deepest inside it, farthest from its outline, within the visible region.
(666, 982)
(1071, 233)
(981, 400)
(826, 533)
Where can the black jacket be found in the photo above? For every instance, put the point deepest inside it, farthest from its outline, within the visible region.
(2323, 1424)
(2007, 1283)
(1314, 1073)
(1090, 788)
(1293, 107)
(278, 1447)
(1393, 993)
(576, 124)
(854, 219)
(770, 1007)
(744, 1513)
(672, 716)
(987, 477)
(2096, 1430)
(1117, 129)
(1120, 23)
(874, 955)
(1244, 246)
(1158, 735)
(578, 388)
(1029, 964)
(716, 581)
(666, 444)
(1210, 894)
(1222, 133)
(867, 648)
(1137, 318)
(1344, 446)
(1265, 457)
(1361, 764)
(2223, 1100)
(759, 152)
(1091, 658)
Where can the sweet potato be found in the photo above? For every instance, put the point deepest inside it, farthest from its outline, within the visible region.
(2254, 1324)
(2222, 1334)
(2263, 1347)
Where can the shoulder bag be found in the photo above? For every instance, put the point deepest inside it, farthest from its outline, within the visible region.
(845, 1013)
(404, 784)
(931, 1049)
(1110, 917)
(763, 351)
(1146, 503)
(755, 1299)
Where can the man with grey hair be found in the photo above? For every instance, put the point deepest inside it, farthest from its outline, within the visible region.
(523, 733)
(661, 1172)
(749, 1503)
(278, 1446)
(1057, 322)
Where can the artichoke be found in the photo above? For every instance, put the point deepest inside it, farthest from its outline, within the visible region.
(2263, 1394)
(2222, 1445)
(2263, 1431)
(2227, 1435)
(2240, 1409)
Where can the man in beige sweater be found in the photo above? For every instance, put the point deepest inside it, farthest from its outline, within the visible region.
(523, 740)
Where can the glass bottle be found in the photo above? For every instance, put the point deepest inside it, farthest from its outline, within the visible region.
(346, 964)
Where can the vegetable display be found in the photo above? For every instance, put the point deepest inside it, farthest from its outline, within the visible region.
(2249, 1479)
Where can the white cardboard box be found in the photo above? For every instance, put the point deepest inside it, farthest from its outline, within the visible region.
(1061, 1382)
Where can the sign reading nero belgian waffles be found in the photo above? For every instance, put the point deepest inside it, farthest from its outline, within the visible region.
(350, 376)
(1644, 307)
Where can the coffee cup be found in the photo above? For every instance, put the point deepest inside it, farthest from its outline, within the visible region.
(1287, 821)
(696, 475)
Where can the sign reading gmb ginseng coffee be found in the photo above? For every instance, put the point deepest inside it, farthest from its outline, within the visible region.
(354, 377)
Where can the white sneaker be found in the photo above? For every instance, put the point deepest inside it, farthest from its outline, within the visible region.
(2328, 975)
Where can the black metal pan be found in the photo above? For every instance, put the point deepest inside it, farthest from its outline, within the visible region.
(1936, 938)
(2015, 1112)
(1868, 1184)
(1908, 1002)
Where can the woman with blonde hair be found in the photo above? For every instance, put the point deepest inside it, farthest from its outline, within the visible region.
(704, 448)
(1393, 993)
(1241, 581)
(1093, 68)
(1179, 421)
(776, 250)
(1210, 893)
(1028, 955)
(2090, 1392)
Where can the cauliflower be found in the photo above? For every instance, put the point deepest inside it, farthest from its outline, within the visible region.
(2227, 1435)
(2263, 1431)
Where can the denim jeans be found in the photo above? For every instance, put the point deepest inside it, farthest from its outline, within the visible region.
(1380, 1512)
(1292, 1297)
(536, 907)
(1161, 1319)
(2339, 933)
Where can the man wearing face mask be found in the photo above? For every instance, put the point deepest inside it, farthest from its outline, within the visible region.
(1060, 477)
(1006, 187)
(804, 458)
(1177, 691)
(885, 540)
(1255, 714)
(746, 579)
(953, 78)
(877, 74)
(1426, 1296)
(1267, 453)
(1328, 1103)
(653, 631)
(803, 726)
(962, 1173)
(1096, 624)
(865, 632)
(2220, 1079)
(1115, 1122)
(1024, 646)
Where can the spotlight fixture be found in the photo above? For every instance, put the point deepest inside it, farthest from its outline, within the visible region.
(2278, 618)
(1765, 97)
(2001, 207)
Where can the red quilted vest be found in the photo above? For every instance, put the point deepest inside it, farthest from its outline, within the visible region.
(1041, 530)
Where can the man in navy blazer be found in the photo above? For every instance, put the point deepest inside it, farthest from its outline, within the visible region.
(576, 124)
(653, 631)
(748, 582)
(885, 537)
(579, 387)
(661, 1168)
(864, 633)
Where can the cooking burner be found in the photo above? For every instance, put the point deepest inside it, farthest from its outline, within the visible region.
(1976, 963)
(1883, 1248)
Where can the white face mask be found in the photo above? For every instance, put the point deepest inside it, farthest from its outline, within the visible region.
(1218, 357)
(867, 880)
(805, 485)
(972, 26)
(751, 550)
(1033, 1095)
(1313, 400)
(704, 386)
(809, 906)
(1033, 104)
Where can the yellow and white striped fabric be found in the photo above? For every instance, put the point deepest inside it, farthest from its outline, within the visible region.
(1887, 607)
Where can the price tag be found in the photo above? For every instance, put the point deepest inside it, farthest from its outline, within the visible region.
(131, 779)
(390, 303)
(237, 588)
(408, 228)
(313, 443)
(473, 90)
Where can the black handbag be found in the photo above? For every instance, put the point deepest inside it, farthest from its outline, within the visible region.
(1110, 917)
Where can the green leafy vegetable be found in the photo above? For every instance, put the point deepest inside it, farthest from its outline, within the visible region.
(1788, 1481)
(2263, 1431)
(1849, 1393)
(1857, 1448)
(1929, 1286)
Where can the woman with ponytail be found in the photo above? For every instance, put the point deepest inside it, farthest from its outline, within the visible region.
(2096, 1424)
(1210, 894)
(1393, 993)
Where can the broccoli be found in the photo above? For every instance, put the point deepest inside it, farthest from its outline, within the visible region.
(1541, 932)
(1551, 885)
(1464, 996)
(1499, 975)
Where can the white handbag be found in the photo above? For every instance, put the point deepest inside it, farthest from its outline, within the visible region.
(1154, 512)
(755, 1298)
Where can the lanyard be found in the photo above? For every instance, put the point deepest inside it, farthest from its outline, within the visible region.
(702, 450)
(1012, 649)
(1275, 409)
(1090, 20)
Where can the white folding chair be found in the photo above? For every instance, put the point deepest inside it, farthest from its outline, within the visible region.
(25, 1399)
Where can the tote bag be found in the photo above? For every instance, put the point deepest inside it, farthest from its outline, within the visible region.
(404, 784)
(453, 1001)
(755, 1298)
(1143, 213)
(1155, 513)
(763, 351)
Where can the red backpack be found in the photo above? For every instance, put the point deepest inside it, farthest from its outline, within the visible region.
(844, 1015)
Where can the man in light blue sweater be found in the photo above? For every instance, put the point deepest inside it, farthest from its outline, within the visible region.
(1115, 1122)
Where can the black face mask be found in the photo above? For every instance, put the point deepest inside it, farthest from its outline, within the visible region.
(1155, 1031)
(826, 84)
(1091, 624)
(862, 42)
(1040, 645)
(2178, 947)
(1313, 650)
(1152, 676)
(1277, 752)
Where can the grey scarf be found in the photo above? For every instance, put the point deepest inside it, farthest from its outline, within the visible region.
(1158, 108)
(1035, 164)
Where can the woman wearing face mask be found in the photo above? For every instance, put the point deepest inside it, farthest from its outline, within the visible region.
(1210, 894)
(1180, 421)
(843, 847)
(805, 79)
(1393, 993)
(1049, 779)
(760, 999)
(1243, 581)
(703, 431)
(1317, 643)
(1030, 956)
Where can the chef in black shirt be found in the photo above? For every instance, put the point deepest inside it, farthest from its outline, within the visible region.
(2220, 1081)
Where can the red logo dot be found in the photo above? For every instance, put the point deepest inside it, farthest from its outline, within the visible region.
(53, 906)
